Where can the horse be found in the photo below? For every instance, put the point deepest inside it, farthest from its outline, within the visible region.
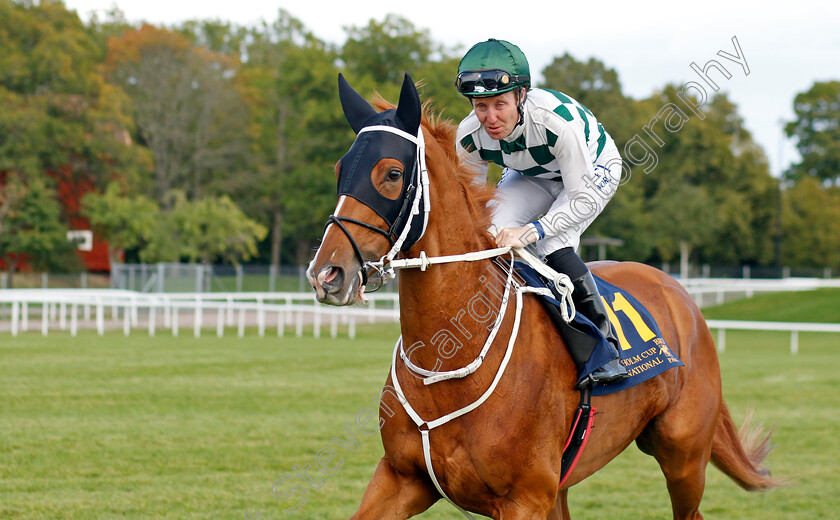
(404, 194)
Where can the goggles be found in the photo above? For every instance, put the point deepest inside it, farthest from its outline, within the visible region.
(490, 80)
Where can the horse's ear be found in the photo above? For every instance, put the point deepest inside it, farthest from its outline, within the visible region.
(356, 109)
(409, 110)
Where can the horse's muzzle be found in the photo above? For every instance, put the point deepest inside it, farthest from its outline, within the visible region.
(333, 286)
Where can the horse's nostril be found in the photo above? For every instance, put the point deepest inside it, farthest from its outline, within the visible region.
(332, 278)
(331, 274)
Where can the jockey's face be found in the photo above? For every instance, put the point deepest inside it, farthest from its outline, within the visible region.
(497, 114)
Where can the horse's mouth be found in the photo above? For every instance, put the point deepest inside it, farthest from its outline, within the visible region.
(333, 286)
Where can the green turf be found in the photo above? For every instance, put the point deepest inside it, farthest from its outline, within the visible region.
(819, 306)
(166, 428)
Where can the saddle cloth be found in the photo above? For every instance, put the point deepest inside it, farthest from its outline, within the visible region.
(642, 349)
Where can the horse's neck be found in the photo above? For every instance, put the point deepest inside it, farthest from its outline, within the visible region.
(447, 310)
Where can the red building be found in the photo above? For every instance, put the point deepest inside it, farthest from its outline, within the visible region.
(92, 251)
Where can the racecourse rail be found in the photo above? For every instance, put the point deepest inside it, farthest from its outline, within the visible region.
(71, 309)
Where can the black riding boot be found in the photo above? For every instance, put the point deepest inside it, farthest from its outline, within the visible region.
(588, 302)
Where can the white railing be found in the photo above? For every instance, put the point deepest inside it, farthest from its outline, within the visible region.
(70, 309)
(63, 309)
(714, 291)
(793, 327)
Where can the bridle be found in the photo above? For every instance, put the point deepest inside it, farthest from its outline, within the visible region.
(403, 233)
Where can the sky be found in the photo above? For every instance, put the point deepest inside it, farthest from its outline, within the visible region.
(787, 46)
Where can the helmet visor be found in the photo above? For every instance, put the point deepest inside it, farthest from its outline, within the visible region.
(486, 82)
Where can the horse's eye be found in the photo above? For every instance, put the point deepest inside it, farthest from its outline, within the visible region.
(394, 175)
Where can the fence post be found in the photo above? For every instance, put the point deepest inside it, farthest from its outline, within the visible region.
(74, 319)
(45, 318)
(721, 340)
(220, 321)
(62, 315)
(126, 321)
(238, 277)
(197, 317)
(84, 282)
(100, 317)
(241, 331)
(176, 320)
(45, 281)
(15, 318)
(24, 319)
(152, 312)
(794, 342)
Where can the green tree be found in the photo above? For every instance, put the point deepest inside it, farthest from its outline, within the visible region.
(187, 106)
(209, 229)
(31, 228)
(58, 114)
(378, 55)
(598, 88)
(717, 156)
(125, 221)
(811, 225)
(384, 51)
(298, 133)
(817, 132)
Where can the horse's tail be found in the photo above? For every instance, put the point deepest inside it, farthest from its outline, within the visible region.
(739, 453)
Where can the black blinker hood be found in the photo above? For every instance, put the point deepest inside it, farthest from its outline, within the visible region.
(354, 177)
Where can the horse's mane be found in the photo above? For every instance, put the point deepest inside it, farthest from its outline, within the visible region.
(443, 131)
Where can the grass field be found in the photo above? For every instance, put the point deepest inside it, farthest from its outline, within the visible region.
(184, 428)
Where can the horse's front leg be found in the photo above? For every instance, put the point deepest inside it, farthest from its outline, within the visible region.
(392, 495)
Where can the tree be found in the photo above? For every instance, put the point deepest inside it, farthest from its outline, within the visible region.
(31, 227)
(817, 131)
(298, 131)
(598, 88)
(384, 51)
(57, 113)
(209, 229)
(187, 106)
(716, 158)
(811, 225)
(125, 221)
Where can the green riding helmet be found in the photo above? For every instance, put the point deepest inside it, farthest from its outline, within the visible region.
(491, 68)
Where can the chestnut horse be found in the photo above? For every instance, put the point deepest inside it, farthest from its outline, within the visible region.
(503, 458)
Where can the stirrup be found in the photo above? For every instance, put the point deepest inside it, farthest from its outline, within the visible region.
(607, 378)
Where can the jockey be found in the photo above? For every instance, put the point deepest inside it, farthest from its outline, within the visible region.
(560, 169)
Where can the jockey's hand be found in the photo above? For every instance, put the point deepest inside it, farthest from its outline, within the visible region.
(517, 237)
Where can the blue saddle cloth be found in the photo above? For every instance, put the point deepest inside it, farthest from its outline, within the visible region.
(642, 349)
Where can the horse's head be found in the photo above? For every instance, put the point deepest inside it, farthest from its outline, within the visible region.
(379, 195)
